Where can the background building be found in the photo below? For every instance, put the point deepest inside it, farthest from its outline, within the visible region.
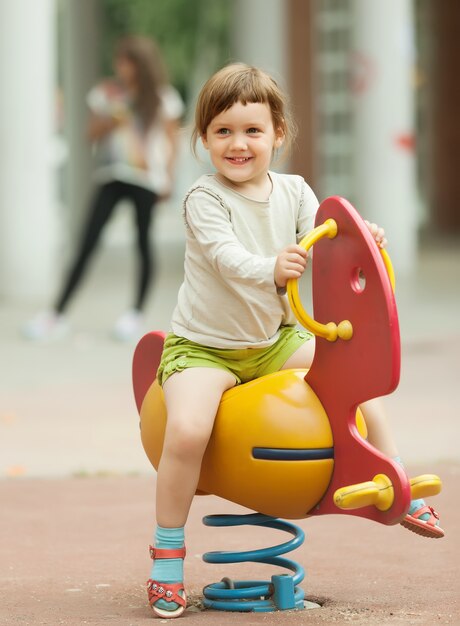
(373, 90)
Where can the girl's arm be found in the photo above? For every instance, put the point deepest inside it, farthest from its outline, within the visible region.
(99, 126)
(307, 211)
(107, 110)
(210, 224)
(172, 132)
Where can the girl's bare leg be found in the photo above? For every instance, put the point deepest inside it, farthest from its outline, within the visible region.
(378, 428)
(192, 398)
(302, 357)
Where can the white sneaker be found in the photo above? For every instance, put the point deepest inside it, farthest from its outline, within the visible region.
(46, 326)
(130, 326)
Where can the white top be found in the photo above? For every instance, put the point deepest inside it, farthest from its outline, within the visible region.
(229, 298)
(129, 153)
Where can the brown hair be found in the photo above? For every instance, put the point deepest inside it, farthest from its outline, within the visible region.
(151, 74)
(243, 83)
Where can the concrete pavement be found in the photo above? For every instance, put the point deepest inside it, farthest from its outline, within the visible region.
(74, 551)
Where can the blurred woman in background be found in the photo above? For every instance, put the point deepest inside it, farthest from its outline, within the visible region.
(134, 119)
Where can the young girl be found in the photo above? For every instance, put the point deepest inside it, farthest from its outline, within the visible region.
(232, 322)
(133, 124)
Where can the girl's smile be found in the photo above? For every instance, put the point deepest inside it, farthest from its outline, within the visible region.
(238, 160)
(241, 141)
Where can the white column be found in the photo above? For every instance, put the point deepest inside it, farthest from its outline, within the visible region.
(259, 35)
(28, 209)
(80, 23)
(382, 82)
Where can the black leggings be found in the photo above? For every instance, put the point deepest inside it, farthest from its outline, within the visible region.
(105, 199)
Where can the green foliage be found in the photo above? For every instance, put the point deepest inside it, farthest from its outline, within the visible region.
(178, 26)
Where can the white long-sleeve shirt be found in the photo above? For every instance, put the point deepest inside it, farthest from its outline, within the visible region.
(229, 298)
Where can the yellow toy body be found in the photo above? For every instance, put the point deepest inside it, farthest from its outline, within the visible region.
(277, 415)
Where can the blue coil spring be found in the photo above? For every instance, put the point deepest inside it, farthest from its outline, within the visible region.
(257, 595)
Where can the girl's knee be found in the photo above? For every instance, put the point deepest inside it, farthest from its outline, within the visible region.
(186, 439)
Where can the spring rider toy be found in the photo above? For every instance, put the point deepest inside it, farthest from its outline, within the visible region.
(293, 444)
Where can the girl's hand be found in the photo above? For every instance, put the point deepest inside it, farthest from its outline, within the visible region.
(99, 126)
(290, 263)
(378, 234)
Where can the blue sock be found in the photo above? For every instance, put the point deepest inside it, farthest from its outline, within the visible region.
(415, 505)
(168, 570)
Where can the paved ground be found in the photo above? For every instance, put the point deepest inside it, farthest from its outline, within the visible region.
(76, 492)
(74, 552)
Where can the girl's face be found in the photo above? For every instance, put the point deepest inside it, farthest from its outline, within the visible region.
(241, 141)
(125, 71)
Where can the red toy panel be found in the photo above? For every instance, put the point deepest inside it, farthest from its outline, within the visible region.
(146, 360)
(350, 282)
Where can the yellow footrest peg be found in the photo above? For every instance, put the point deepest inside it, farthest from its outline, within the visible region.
(377, 492)
(425, 486)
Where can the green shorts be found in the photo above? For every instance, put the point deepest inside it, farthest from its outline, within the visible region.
(245, 365)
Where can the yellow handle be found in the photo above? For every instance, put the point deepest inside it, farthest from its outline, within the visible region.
(389, 267)
(329, 331)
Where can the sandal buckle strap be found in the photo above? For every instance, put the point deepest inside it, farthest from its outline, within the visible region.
(433, 512)
(163, 553)
(165, 591)
(423, 510)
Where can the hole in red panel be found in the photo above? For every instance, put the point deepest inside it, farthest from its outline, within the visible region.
(358, 280)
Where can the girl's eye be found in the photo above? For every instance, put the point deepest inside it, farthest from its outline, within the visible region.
(253, 130)
(223, 131)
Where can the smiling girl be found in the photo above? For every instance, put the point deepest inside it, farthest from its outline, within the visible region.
(232, 322)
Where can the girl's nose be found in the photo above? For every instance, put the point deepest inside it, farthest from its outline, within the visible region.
(239, 142)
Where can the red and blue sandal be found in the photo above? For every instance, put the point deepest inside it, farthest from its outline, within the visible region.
(425, 528)
(170, 592)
